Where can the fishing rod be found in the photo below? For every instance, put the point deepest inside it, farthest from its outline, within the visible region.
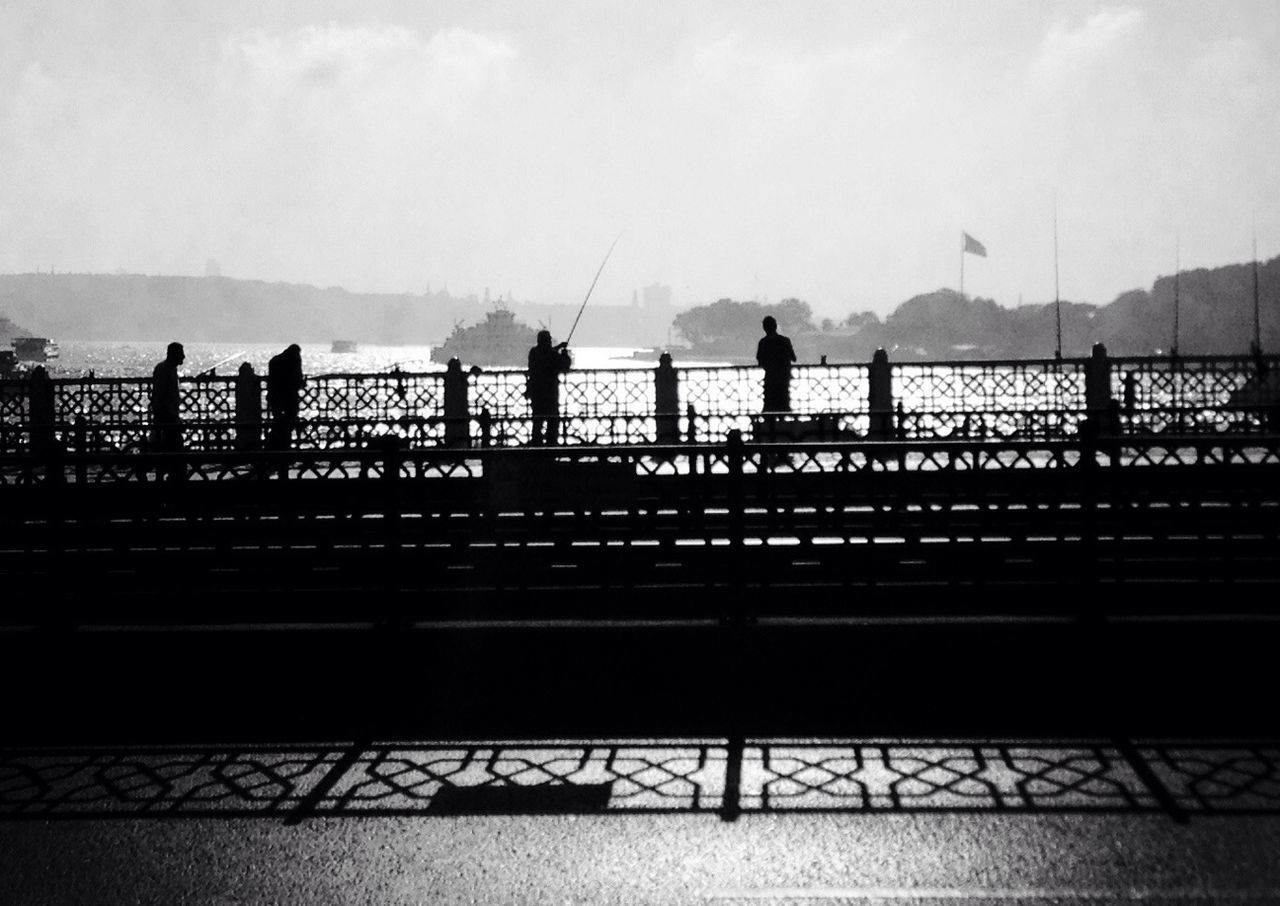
(217, 364)
(589, 289)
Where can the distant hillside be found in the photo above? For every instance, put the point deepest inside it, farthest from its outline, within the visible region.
(1216, 317)
(138, 307)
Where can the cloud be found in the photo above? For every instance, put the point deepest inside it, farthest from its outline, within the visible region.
(1065, 52)
(447, 69)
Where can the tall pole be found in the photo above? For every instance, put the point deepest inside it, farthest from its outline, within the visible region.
(1057, 300)
(1177, 286)
(961, 265)
(1257, 317)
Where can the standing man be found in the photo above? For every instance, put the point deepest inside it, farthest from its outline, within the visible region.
(166, 402)
(542, 386)
(284, 384)
(166, 417)
(774, 354)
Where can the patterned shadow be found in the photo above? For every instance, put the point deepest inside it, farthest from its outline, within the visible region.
(710, 776)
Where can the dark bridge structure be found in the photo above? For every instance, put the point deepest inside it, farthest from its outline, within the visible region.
(1083, 524)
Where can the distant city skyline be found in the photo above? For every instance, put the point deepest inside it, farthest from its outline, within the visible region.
(827, 151)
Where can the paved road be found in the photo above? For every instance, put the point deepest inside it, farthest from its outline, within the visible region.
(641, 859)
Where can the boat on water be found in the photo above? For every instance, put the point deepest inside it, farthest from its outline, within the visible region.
(343, 346)
(34, 349)
(497, 340)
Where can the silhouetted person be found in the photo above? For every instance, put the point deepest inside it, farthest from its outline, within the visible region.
(284, 385)
(166, 401)
(542, 386)
(166, 405)
(774, 354)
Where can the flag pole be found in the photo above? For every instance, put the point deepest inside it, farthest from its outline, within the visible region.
(1177, 286)
(1257, 317)
(1057, 300)
(961, 264)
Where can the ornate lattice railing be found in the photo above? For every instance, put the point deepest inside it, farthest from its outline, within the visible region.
(1027, 398)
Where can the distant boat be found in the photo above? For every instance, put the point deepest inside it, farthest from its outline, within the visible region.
(34, 349)
(497, 340)
(343, 346)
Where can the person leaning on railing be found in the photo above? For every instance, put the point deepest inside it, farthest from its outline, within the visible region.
(284, 386)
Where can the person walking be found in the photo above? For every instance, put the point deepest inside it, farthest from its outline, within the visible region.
(284, 386)
(775, 354)
(542, 387)
(166, 401)
(166, 406)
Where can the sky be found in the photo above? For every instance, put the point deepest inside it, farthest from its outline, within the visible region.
(830, 151)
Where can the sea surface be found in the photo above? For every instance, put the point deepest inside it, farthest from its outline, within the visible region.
(128, 358)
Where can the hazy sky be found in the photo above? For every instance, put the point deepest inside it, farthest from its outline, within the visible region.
(832, 151)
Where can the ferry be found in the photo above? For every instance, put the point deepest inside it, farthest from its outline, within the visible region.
(343, 346)
(497, 340)
(34, 349)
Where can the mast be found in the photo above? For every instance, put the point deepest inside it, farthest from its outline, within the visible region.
(1177, 285)
(1057, 301)
(1257, 317)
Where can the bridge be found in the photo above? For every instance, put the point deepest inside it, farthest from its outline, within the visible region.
(1053, 549)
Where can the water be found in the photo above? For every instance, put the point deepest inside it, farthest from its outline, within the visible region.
(78, 358)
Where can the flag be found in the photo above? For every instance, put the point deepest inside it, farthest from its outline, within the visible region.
(973, 246)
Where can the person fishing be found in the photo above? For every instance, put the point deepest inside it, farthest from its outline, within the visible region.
(542, 387)
(546, 364)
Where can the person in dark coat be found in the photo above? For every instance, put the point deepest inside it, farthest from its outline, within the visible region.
(166, 401)
(775, 354)
(284, 385)
(542, 386)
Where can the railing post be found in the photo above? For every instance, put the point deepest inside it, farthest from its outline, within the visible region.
(486, 428)
(248, 409)
(457, 407)
(735, 456)
(691, 416)
(81, 447)
(666, 400)
(880, 396)
(1097, 389)
(40, 401)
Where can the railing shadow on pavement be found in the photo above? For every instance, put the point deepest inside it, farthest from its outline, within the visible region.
(719, 777)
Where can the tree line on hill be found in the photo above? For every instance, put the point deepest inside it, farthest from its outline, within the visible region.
(1215, 318)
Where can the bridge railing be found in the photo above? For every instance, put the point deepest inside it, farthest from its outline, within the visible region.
(909, 400)
(537, 467)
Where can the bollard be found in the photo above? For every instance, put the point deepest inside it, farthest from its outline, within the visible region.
(880, 396)
(666, 398)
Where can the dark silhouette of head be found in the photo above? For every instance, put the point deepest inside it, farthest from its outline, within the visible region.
(294, 349)
(544, 338)
(174, 354)
(770, 325)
